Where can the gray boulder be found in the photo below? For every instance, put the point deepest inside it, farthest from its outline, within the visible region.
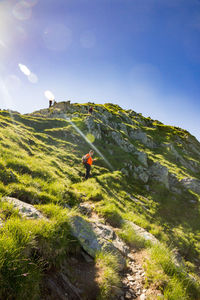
(138, 134)
(141, 173)
(142, 157)
(123, 143)
(174, 184)
(159, 173)
(93, 127)
(95, 237)
(26, 210)
(192, 184)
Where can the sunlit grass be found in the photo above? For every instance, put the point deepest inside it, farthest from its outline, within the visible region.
(40, 163)
(108, 277)
(172, 279)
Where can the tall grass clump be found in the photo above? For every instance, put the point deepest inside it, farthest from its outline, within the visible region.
(171, 278)
(19, 273)
(128, 234)
(111, 214)
(30, 247)
(108, 276)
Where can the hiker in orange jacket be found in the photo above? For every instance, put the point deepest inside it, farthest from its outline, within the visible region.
(87, 161)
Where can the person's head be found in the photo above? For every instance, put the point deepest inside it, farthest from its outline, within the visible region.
(91, 152)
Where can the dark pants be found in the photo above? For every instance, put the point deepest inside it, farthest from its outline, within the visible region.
(87, 172)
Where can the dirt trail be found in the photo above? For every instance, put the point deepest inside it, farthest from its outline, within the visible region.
(133, 277)
(78, 276)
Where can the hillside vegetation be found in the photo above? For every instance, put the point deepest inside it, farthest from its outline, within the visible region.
(146, 173)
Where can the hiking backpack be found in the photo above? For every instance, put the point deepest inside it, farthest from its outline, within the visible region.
(85, 159)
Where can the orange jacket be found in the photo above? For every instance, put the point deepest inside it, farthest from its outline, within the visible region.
(89, 161)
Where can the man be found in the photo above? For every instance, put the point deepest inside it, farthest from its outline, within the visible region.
(87, 161)
(50, 103)
(90, 110)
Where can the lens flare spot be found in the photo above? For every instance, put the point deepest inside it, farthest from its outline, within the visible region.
(33, 78)
(49, 95)
(24, 69)
(90, 137)
(22, 11)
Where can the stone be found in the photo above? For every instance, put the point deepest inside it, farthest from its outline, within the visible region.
(93, 127)
(25, 209)
(82, 230)
(122, 142)
(141, 173)
(85, 209)
(95, 237)
(142, 157)
(192, 184)
(138, 134)
(159, 173)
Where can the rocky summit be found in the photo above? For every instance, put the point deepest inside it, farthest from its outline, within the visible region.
(130, 231)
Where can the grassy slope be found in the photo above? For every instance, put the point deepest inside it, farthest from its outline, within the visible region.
(40, 164)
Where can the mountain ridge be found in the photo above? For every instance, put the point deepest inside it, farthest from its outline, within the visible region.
(146, 172)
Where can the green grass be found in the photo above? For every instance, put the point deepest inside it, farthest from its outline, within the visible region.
(109, 278)
(40, 163)
(28, 247)
(170, 278)
(127, 233)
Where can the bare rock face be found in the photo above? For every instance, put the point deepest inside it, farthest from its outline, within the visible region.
(95, 237)
(142, 157)
(141, 173)
(93, 127)
(106, 232)
(26, 210)
(138, 134)
(159, 173)
(192, 184)
(123, 143)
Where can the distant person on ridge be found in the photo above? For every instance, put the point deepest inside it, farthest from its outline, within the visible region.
(50, 103)
(87, 161)
(90, 110)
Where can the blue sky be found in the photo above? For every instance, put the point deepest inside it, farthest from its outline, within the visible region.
(141, 54)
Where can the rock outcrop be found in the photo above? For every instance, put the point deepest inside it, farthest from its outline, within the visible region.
(95, 237)
(192, 184)
(159, 173)
(25, 210)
